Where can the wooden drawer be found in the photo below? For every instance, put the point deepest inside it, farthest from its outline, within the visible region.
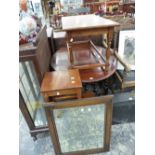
(52, 86)
(63, 92)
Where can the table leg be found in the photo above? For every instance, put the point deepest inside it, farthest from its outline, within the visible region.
(79, 94)
(70, 54)
(108, 53)
(46, 99)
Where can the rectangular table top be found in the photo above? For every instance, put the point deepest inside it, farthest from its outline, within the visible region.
(61, 80)
(86, 22)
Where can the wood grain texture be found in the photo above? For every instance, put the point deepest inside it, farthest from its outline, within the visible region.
(106, 100)
(60, 61)
(38, 52)
(84, 25)
(61, 80)
(61, 84)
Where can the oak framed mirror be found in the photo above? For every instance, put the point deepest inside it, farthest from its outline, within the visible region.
(80, 127)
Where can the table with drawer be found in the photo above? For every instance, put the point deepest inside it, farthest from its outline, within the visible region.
(60, 84)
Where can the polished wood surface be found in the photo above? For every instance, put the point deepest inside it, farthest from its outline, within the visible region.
(85, 55)
(105, 100)
(86, 22)
(38, 52)
(60, 80)
(60, 83)
(85, 25)
(60, 62)
(60, 39)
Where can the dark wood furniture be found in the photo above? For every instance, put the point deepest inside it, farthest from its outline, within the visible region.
(39, 54)
(126, 68)
(95, 56)
(94, 101)
(85, 25)
(30, 52)
(60, 62)
(61, 83)
(30, 122)
(60, 38)
(81, 26)
(126, 76)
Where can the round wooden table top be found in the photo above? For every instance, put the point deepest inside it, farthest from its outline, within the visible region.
(81, 56)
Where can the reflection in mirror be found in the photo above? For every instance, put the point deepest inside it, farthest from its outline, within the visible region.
(80, 128)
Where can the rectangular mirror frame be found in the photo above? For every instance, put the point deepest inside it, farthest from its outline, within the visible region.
(106, 100)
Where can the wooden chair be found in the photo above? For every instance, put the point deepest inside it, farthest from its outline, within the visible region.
(127, 76)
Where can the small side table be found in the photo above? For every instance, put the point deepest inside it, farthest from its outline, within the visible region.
(61, 83)
(86, 25)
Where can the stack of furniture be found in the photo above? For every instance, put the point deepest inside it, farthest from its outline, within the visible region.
(79, 63)
(38, 52)
(78, 53)
(34, 57)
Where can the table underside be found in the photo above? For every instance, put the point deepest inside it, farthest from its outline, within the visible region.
(83, 56)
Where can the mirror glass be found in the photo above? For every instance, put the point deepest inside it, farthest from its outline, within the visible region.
(80, 128)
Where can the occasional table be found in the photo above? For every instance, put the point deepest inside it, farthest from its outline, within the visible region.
(85, 25)
(61, 83)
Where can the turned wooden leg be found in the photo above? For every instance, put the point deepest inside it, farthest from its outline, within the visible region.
(108, 53)
(70, 54)
(79, 94)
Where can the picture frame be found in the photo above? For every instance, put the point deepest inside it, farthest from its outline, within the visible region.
(126, 48)
(85, 106)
